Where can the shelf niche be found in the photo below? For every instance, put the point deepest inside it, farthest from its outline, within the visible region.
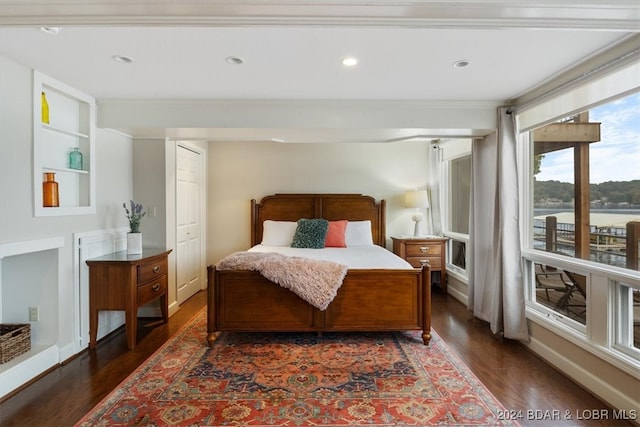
(22, 286)
(72, 119)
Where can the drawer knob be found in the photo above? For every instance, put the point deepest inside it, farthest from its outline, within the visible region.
(156, 269)
(156, 287)
(424, 262)
(424, 249)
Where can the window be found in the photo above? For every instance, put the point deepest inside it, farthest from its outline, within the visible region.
(561, 291)
(581, 210)
(586, 183)
(586, 189)
(460, 178)
(458, 251)
(628, 324)
(456, 155)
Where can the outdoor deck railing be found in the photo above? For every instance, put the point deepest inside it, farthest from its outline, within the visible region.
(633, 245)
(626, 253)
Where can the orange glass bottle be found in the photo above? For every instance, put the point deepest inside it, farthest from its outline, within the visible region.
(50, 198)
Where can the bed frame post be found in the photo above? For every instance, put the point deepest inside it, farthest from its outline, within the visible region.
(254, 223)
(212, 324)
(383, 223)
(426, 304)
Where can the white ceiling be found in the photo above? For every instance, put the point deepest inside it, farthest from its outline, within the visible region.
(406, 50)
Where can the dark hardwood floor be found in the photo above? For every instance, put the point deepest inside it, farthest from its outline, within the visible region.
(516, 377)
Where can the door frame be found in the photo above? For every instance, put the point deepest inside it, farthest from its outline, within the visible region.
(200, 147)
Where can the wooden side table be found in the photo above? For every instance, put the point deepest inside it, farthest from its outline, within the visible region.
(119, 281)
(420, 250)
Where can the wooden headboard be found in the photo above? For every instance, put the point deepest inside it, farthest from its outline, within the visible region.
(332, 207)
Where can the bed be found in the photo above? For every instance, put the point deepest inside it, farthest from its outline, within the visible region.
(369, 299)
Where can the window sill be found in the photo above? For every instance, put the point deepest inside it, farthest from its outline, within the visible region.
(458, 273)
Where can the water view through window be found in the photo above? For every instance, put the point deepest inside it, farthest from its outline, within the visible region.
(587, 172)
(586, 204)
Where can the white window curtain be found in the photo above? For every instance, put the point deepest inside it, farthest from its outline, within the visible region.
(434, 215)
(496, 288)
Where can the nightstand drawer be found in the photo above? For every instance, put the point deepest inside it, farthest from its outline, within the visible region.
(423, 249)
(152, 270)
(434, 262)
(152, 290)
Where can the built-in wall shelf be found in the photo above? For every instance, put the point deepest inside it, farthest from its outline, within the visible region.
(30, 246)
(67, 132)
(27, 366)
(71, 124)
(29, 276)
(46, 168)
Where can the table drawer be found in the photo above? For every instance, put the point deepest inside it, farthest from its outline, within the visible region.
(423, 249)
(152, 290)
(152, 270)
(434, 262)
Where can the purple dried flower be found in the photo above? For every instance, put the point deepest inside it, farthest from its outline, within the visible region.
(134, 215)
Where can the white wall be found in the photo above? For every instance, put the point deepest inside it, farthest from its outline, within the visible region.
(239, 172)
(150, 190)
(17, 223)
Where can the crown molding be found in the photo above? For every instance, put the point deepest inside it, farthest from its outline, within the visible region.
(622, 15)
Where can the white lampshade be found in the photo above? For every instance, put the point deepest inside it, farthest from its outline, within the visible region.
(416, 199)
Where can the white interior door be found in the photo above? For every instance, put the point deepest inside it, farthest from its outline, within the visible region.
(188, 218)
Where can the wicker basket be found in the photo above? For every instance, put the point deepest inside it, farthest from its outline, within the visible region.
(15, 339)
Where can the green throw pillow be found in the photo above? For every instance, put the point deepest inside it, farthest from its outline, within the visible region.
(310, 233)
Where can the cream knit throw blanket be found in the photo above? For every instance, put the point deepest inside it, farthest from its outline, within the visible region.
(315, 281)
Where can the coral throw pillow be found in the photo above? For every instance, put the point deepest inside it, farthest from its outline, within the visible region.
(335, 234)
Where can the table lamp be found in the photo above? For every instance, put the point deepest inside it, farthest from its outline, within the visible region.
(417, 199)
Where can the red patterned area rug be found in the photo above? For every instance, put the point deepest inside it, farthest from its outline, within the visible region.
(298, 379)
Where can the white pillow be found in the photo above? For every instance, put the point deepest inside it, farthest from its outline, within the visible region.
(358, 233)
(278, 233)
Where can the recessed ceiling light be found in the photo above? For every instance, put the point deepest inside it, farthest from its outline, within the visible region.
(461, 63)
(50, 30)
(350, 61)
(235, 60)
(122, 59)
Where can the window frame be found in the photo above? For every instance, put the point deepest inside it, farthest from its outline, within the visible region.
(600, 336)
(623, 303)
(453, 149)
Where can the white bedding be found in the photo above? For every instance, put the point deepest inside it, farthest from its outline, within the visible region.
(356, 257)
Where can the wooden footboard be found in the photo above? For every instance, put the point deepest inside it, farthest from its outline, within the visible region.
(368, 300)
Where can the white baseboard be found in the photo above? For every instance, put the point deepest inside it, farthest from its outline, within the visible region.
(457, 295)
(67, 351)
(173, 308)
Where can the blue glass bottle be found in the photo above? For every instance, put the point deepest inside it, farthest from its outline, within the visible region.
(75, 159)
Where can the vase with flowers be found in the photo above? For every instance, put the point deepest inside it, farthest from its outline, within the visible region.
(134, 237)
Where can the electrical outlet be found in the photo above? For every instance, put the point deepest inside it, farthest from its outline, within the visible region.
(34, 314)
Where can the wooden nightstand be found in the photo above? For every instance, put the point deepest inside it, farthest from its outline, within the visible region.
(420, 250)
(120, 281)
